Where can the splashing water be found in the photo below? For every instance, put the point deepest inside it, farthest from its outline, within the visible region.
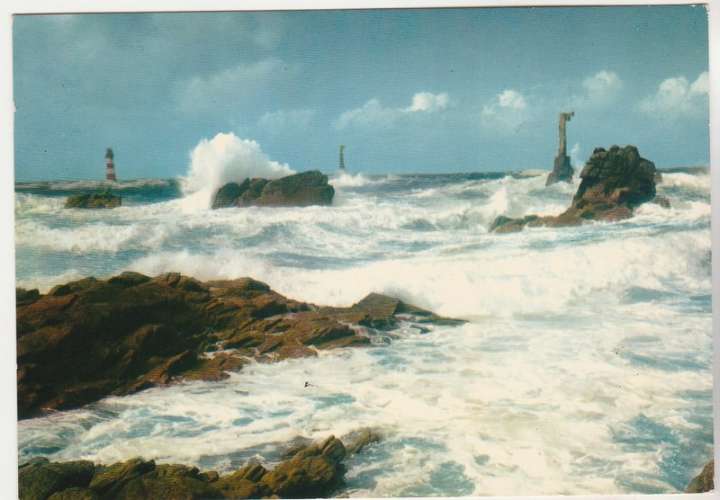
(584, 368)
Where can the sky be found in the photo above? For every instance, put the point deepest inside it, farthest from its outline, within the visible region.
(407, 91)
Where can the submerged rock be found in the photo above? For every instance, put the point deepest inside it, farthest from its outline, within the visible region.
(614, 182)
(91, 338)
(93, 200)
(298, 190)
(704, 481)
(314, 470)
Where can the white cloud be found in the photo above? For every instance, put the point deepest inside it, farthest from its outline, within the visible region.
(602, 85)
(677, 96)
(373, 113)
(427, 101)
(599, 90)
(231, 84)
(506, 112)
(283, 120)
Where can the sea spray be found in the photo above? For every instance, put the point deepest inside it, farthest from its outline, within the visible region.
(585, 367)
(222, 159)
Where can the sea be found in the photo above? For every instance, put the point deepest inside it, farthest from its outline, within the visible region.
(584, 366)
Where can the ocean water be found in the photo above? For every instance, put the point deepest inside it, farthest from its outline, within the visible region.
(585, 365)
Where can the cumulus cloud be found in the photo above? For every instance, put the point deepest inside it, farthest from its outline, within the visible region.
(373, 113)
(598, 90)
(506, 112)
(427, 101)
(286, 120)
(229, 85)
(222, 159)
(677, 96)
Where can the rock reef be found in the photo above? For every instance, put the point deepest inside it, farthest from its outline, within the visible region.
(314, 470)
(91, 338)
(104, 199)
(614, 182)
(299, 190)
(704, 481)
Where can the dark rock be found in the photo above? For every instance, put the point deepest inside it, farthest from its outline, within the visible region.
(663, 201)
(618, 176)
(614, 182)
(704, 481)
(503, 224)
(38, 479)
(300, 190)
(24, 297)
(93, 200)
(314, 470)
(562, 171)
(108, 481)
(91, 338)
(356, 441)
(74, 494)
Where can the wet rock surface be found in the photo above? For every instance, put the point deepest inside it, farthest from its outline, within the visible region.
(314, 470)
(614, 182)
(93, 200)
(299, 190)
(91, 338)
(704, 481)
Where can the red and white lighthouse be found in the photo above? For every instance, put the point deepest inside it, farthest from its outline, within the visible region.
(109, 166)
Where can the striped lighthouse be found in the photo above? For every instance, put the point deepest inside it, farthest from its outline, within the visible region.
(109, 166)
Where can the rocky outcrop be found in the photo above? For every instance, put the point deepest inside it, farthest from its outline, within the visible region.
(614, 182)
(94, 200)
(299, 190)
(315, 470)
(91, 338)
(704, 481)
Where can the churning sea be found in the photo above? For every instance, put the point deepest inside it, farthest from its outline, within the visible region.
(585, 365)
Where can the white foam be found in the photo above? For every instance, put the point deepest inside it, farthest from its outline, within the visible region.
(222, 159)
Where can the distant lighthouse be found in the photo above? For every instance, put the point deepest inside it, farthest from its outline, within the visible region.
(341, 164)
(109, 166)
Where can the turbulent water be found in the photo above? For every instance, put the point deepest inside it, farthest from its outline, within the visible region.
(585, 366)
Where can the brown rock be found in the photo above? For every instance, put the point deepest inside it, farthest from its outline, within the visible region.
(39, 478)
(298, 190)
(313, 470)
(614, 183)
(74, 494)
(91, 338)
(93, 200)
(704, 481)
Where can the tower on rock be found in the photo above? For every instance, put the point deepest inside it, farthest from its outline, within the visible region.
(341, 164)
(109, 166)
(562, 170)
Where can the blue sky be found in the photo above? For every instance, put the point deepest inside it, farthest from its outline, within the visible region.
(436, 90)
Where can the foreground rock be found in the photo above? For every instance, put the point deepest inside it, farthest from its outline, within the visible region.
(614, 183)
(94, 200)
(315, 470)
(704, 481)
(91, 338)
(299, 190)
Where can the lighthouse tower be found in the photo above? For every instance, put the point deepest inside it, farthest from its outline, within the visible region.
(109, 166)
(341, 164)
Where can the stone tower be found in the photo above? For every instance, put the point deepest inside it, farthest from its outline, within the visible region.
(341, 164)
(109, 166)
(562, 170)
